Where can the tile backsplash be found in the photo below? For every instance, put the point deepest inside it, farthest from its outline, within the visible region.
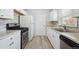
(70, 21)
(52, 23)
(2, 25)
(4, 22)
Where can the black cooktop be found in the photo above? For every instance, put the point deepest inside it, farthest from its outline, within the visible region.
(17, 28)
(12, 26)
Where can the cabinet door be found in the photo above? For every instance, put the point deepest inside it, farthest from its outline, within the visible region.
(7, 43)
(59, 17)
(56, 40)
(66, 12)
(50, 36)
(53, 15)
(75, 12)
(49, 33)
(14, 41)
(53, 38)
(6, 13)
(31, 31)
(9, 13)
(1, 13)
(17, 39)
(11, 43)
(4, 43)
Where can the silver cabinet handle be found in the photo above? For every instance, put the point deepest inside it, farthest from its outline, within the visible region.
(11, 43)
(11, 38)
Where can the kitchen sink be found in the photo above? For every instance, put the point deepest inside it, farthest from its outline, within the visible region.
(60, 30)
(69, 30)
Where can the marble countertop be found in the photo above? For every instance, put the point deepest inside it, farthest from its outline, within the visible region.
(7, 33)
(74, 36)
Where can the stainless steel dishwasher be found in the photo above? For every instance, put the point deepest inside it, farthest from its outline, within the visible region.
(66, 43)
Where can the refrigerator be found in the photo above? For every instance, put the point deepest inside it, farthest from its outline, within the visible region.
(28, 21)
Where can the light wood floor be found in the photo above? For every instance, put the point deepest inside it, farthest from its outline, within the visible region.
(39, 42)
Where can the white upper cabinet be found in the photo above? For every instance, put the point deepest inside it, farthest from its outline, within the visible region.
(69, 12)
(66, 12)
(63, 13)
(75, 12)
(6, 13)
(59, 17)
(9, 13)
(53, 15)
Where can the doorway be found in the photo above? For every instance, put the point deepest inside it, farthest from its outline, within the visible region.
(40, 24)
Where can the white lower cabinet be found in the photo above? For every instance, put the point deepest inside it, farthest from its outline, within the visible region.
(56, 39)
(4, 43)
(11, 42)
(17, 41)
(53, 37)
(53, 15)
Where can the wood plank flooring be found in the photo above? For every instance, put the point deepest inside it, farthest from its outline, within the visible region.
(39, 42)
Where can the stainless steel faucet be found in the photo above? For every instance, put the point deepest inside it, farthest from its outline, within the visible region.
(65, 28)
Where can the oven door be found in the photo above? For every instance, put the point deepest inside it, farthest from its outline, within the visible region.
(24, 39)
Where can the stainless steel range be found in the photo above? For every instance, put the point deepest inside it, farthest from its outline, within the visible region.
(24, 32)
